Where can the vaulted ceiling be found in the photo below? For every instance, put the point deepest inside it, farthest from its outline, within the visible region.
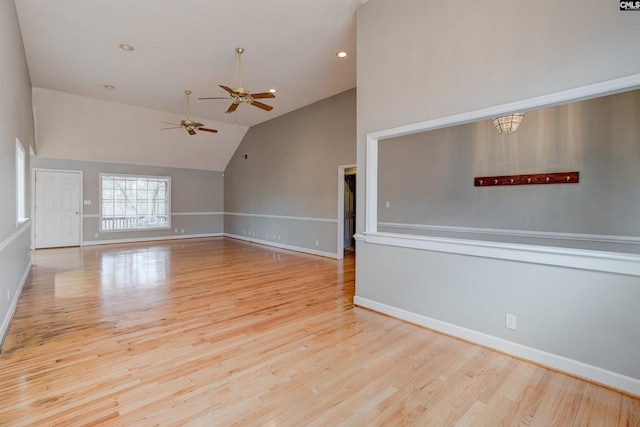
(290, 45)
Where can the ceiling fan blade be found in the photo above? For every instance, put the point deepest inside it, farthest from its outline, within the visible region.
(175, 127)
(261, 105)
(208, 130)
(191, 131)
(262, 95)
(232, 108)
(217, 97)
(197, 125)
(174, 124)
(228, 89)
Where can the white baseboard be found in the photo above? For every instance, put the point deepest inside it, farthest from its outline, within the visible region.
(148, 239)
(6, 322)
(283, 246)
(553, 361)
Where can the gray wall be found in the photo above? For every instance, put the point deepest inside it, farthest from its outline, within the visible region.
(196, 198)
(287, 185)
(428, 177)
(591, 317)
(16, 121)
(452, 61)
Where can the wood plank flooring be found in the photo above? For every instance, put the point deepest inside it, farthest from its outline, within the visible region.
(219, 332)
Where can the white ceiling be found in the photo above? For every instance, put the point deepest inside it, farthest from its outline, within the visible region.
(72, 46)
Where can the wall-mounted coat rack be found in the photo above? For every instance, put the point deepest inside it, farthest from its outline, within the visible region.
(530, 179)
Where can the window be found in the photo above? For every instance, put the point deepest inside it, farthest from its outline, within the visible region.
(129, 202)
(21, 183)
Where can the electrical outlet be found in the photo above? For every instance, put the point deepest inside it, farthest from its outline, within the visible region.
(317, 243)
(510, 321)
(387, 204)
(8, 295)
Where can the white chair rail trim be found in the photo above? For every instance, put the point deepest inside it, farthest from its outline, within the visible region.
(611, 262)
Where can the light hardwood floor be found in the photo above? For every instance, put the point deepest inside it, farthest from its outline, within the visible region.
(219, 332)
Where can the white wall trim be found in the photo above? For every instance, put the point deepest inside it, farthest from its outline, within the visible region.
(294, 218)
(148, 239)
(571, 95)
(604, 88)
(554, 361)
(23, 227)
(518, 233)
(172, 214)
(6, 322)
(195, 213)
(282, 246)
(371, 185)
(610, 262)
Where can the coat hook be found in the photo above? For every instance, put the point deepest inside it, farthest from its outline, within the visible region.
(568, 178)
(512, 180)
(528, 180)
(547, 179)
(481, 181)
(495, 181)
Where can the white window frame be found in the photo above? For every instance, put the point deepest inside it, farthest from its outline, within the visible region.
(21, 183)
(127, 222)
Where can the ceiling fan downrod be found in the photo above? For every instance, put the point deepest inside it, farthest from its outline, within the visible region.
(239, 51)
(188, 92)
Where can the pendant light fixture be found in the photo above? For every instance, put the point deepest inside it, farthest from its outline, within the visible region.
(509, 123)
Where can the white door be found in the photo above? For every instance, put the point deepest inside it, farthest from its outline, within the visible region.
(57, 208)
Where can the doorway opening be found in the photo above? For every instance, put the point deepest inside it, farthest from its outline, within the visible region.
(346, 209)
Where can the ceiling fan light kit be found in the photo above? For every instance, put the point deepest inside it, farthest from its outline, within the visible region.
(241, 95)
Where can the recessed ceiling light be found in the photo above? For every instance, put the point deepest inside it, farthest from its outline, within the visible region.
(109, 87)
(272, 90)
(126, 47)
(341, 54)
